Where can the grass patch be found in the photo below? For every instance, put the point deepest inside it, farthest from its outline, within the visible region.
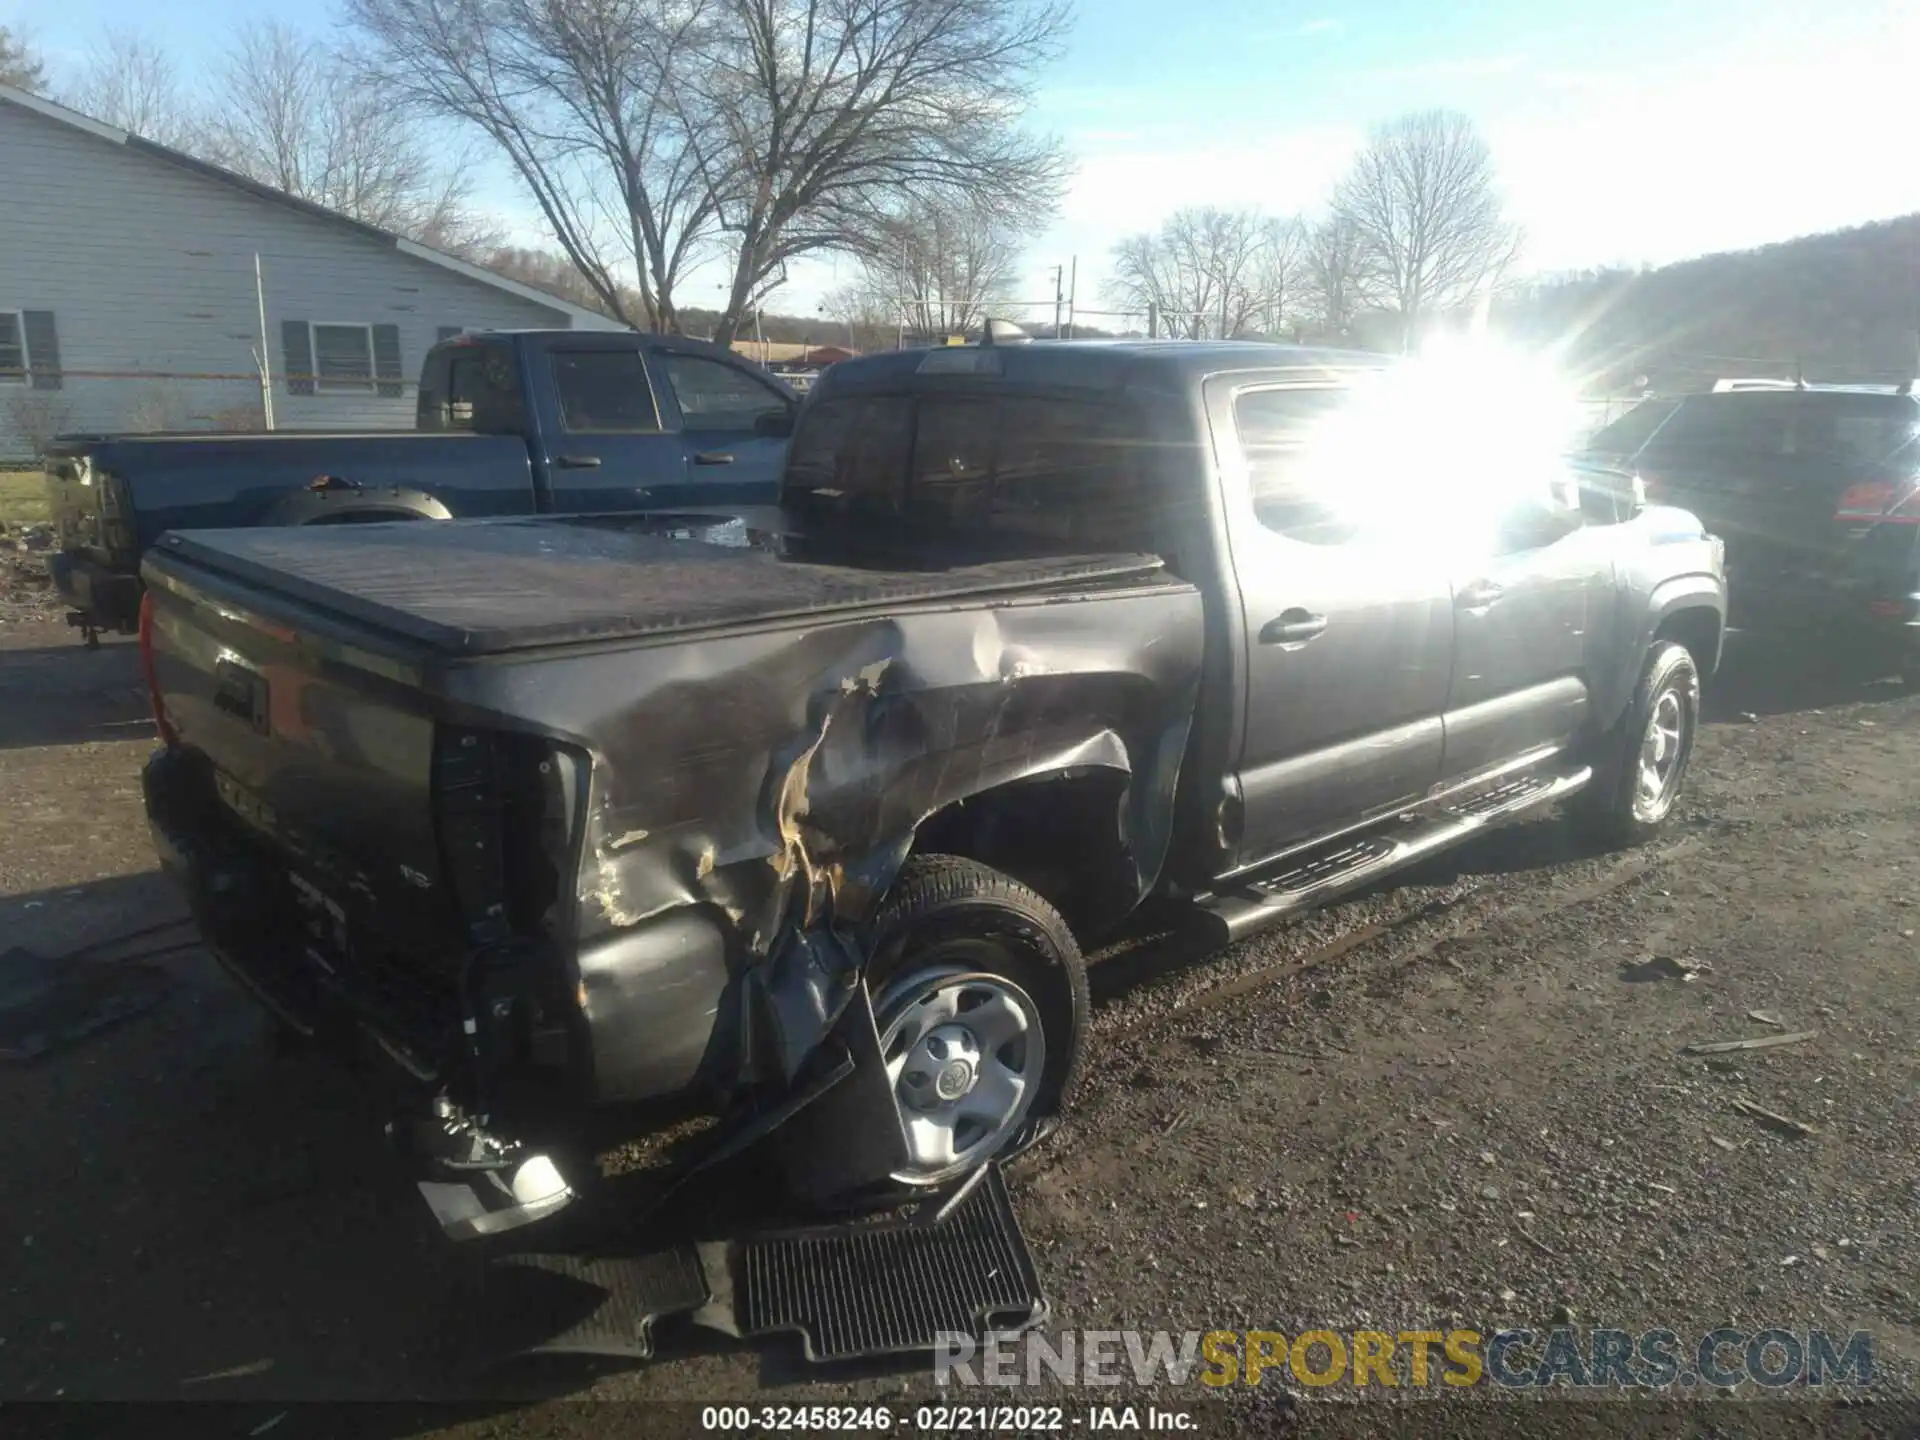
(23, 497)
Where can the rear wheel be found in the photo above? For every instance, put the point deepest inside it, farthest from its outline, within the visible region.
(1642, 764)
(980, 995)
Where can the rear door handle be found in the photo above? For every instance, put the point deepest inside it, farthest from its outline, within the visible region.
(578, 462)
(1479, 595)
(713, 457)
(1293, 627)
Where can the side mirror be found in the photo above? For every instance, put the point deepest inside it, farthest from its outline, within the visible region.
(774, 424)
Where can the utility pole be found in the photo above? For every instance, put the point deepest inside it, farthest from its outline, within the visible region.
(1058, 297)
(266, 362)
(1073, 294)
(1153, 319)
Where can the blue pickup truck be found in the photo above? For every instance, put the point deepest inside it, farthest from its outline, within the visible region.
(508, 423)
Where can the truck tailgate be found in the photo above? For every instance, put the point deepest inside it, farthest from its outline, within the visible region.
(467, 588)
(320, 752)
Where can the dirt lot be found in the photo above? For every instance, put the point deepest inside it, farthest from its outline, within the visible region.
(1450, 1102)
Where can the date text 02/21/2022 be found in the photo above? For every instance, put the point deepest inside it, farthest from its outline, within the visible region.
(939, 1419)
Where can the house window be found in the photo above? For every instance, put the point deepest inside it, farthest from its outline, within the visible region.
(13, 349)
(343, 357)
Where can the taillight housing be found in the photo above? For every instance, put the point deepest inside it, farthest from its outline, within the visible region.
(150, 673)
(1880, 502)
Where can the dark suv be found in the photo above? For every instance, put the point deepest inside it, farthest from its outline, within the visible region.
(1815, 489)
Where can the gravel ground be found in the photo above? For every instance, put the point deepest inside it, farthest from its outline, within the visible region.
(1461, 1101)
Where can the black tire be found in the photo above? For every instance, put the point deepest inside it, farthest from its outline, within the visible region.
(1613, 810)
(944, 911)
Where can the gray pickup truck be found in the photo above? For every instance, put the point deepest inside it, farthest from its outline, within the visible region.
(803, 816)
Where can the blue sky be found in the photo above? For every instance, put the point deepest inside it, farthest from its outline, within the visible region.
(1626, 132)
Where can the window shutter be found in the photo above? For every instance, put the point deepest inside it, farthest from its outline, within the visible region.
(446, 333)
(386, 360)
(296, 346)
(43, 349)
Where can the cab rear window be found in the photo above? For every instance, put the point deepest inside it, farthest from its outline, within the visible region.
(1033, 466)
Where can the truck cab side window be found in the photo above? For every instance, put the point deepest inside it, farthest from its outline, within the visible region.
(604, 392)
(717, 397)
(1275, 428)
(481, 394)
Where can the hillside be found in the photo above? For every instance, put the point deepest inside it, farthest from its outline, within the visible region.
(1842, 306)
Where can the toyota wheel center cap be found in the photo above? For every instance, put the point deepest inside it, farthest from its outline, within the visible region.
(954, 1080)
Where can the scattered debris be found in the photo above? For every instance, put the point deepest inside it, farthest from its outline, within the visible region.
(1664, 967)
(1820, 1252)
(1778, 1121)
(1723, 1144)
(265, 1425)
(1508, 1295)
(1763, 1042)
(1749, 717)
(1767, 1017)
(1789, 1261)
(1663, 1189)
(1565, 1314)
(1537, 1243)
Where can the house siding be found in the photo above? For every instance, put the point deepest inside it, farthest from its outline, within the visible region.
(148, 269)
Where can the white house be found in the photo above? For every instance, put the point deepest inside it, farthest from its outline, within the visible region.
(133, 280)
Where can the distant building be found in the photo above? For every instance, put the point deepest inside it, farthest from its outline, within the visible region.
(128, 297)
(774, 354)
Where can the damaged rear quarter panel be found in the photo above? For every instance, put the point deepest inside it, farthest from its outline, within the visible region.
(774, 779)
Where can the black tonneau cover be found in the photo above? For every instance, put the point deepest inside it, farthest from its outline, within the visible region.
(487, 586)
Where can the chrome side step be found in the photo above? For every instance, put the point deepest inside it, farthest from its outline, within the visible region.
(1324, 875)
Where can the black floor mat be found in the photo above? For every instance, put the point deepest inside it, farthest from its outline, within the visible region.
(571, 1305)
(892, 1287)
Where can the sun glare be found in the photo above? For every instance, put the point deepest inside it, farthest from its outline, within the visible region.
(1447, 444)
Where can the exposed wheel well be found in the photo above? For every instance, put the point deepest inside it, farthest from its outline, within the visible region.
(1063, 835)
(1699, 630)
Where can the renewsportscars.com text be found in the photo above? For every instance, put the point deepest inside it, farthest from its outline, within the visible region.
(1579, 1358)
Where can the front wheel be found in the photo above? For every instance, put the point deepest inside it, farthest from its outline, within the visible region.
(1643, 762)
(980, 995)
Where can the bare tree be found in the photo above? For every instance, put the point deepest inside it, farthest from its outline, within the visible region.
(1279, 275)
(129, 81)
(651, 132)
(291, 115)
(20, 66)
(1209, 272)
(1421, 198)
(1334, 274)
(938, 272)
(544, 270)
(582, 98)
(870, 322)
(835, 116)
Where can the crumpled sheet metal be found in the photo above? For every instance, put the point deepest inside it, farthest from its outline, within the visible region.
(779, 775)
(782, 776)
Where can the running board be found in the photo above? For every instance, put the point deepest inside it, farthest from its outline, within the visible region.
(1324, 875)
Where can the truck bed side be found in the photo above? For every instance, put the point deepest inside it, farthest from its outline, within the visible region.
(199, 481)
(701, 792)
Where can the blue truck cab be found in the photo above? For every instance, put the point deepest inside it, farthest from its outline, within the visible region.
(507, 423)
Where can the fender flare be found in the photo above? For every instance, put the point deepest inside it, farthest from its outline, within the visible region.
(329, 501)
